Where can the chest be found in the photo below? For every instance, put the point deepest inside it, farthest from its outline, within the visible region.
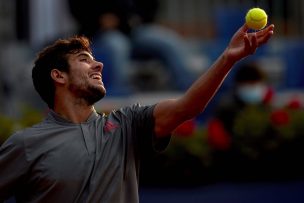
(71, 159)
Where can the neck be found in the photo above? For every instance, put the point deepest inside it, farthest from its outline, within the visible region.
(74, 110)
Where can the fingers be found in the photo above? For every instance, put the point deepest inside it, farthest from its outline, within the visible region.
(251, 43)
(247, 41)
(254, 41)
(265, 38)
(263, 35)
(269, 28)
(262, 39)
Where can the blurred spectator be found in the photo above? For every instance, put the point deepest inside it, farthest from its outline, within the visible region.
(125, 29)
(250, 89)
(40, 22)
(239, 131)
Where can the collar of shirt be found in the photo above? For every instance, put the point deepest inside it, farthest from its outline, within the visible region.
(52, 115)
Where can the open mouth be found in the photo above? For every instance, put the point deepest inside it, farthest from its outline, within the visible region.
(96, 76)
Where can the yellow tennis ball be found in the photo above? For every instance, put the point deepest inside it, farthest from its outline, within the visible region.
(256, 18)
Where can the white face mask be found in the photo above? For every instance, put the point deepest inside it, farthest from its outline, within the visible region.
(252, 93)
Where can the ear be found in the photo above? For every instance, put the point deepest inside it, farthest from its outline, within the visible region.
(58, 76)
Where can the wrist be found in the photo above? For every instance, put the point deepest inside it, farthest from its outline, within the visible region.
(227, 60)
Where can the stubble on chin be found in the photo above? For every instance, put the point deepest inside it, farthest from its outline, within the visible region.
(88, 93)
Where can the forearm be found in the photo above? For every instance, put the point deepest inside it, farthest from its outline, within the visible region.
(170, 113)
(204, 88)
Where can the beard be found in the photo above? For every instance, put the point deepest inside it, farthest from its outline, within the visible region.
(87, 92)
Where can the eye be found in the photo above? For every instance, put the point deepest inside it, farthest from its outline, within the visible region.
(84, 59)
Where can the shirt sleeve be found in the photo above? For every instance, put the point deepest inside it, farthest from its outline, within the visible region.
(13, 166)
(143, 129)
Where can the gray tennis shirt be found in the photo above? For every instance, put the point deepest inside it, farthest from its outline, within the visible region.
(95, 161)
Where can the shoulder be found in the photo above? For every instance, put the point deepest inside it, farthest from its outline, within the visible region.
(16, 139)
(135, 114)
(14, 145)
(135, 109)
(19, 137)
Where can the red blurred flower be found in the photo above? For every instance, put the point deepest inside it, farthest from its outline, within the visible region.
(294, 104)
(218, 138)
(280, 117)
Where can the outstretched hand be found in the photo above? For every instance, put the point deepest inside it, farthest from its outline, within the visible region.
(244, 43)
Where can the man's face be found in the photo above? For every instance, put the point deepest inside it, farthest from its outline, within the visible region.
(85, 78)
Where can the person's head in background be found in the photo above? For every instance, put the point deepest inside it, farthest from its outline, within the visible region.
(251, 86)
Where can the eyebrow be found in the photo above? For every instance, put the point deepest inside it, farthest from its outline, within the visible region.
(85, 54)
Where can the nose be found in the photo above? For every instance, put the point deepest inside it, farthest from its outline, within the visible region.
(98, 66)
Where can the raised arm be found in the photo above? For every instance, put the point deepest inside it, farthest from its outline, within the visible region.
(171, 113)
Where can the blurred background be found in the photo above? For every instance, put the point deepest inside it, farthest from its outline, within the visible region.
(154, 50)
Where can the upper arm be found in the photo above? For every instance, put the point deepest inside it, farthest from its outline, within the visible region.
(168, 114)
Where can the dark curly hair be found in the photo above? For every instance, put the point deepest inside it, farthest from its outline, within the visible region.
(55, 56)
(249, 72)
